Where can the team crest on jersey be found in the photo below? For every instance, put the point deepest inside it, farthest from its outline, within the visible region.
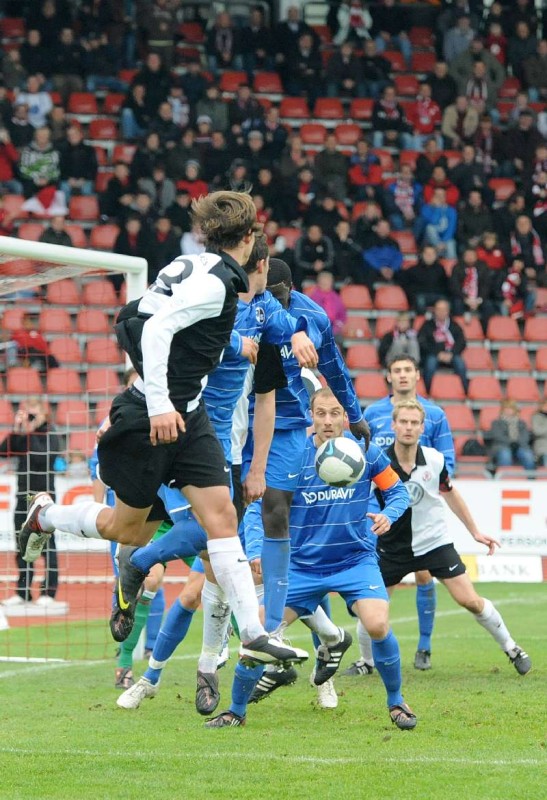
(415, 491)
(260, 315)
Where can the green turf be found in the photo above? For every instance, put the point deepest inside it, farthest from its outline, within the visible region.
(481, 731)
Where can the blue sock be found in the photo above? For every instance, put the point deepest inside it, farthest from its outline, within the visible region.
(245, 680)
(387, 660)
(275, 571)
(172, 632)
(325, 605)
(155, 618)
(426, 603)
(183, 540)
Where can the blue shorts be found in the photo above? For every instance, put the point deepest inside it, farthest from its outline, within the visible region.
(197, 566)
(363, 581)
(251, 531)
(284, 458)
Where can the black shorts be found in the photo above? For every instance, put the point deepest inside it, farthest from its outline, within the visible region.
(135, 469)
(442, 562)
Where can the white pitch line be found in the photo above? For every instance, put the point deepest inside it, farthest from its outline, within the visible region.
(375, 758)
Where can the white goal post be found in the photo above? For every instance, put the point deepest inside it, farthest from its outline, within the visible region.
(66, 262)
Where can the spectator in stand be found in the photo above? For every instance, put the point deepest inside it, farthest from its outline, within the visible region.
(469, 174)
(313, 253)
(538, 194)
(376, 70)
(34, 56)
(147, 155)
(505, 218)
(481, 92)
(383, 260)
(102, 64)
(204, 134)
(304, 70)
(508, 439)
(426, 161)
(517, 300)
(32, 348)
(462, 67)
(192, 242)
(160, 188)
(257, 44)
(178, 156)
(458, 38)
(164, 247)
(439, 179)
(78, 164)
(344, 76)
(238, 176)
(520, 145)
(223, 46)
(56, 233)
(49, 19)
(9, 159)
(35, 446)
(365, 224)
(535, 73)
(390, 26)
(324, 213)
(58, 124)
(526, 242)
(14, 74)
(519, 11)
(348, 256)
(444, 88)
(470, 288)
(539, 433)
(496, 42)
(365, 173)
(179, 105)
(214, 107)
(495, 14)
(293, 158)
(245, 112)
(449, 18)
(115, 202)
(521, 103)
(132, 240)
(389, 123)
(161, 25)
(473, 219)
(39, 102)
(267, 185)
(403, 198)
(424, 116)
(136, 113)
(216, 161)
(326, 296)
(40, 174)
(68, 62)
(179, 212)
(194, 82)
(162, 124)
(275, 134)
(437, 225)
(286, 36)
(6, 108)
(459, 124)
(156, 80)
(488, 142)
(194, 185)
(402, 340)
(331, 169)
(490, 252)
(522, 46)
(354, 23)
(256, 154)
(426, 282)
(442, 341)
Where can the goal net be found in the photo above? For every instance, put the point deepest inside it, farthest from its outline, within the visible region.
(59, 369)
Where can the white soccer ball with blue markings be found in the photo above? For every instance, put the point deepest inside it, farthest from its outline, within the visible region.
(340, 461)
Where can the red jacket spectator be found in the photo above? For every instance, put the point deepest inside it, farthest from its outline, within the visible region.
(8, 157)
(439, 180)
(424, 114)
(490, 252)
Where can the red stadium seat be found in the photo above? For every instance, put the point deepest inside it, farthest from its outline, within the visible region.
(13, 206)
(103, 381)
(423, 62)
(82, 103)
(408, 157)
(453, 157)
(294, 108)
(324, 33)
(472, 329)
(30, 231)
(231, 80)
(534, 329)
(384, 325)
(23, 380)
(91, 320)
(268, 82)
(460, 418)
(82, 442)
(396, 60)
(514, 359)
(84, 208)
(64, 292)
(523, 389)
(123, 152)
(406, 85)
(328, 108)
(446, 387)
(102, 409)
(484, 389)
(113, 103)
(406, 241)
(77, 235)
(386, 159)
(370, 386)
(478, 359)
(18, 267)
(101, 155)
(103, 237)
(103, 128)
(12, 319)
(99, 293)
(102, 180)
(362, 356)
(503, 188)
(313, 133)
(191, 32)
(291, 236)
(62, 380)
(390, 298)
(103, 351)
(509, 88)
(421, 37)
(361, 108)
(66, 350)
(356, 297)
(348, 134)
(265, 102)
(487, 415)
(55, 320)
(12, 28)
(6, 413)
(356, 328)
(541, 359)
(503, 329)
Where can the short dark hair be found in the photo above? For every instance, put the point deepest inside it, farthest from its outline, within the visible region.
(259, 252)
(402, 357)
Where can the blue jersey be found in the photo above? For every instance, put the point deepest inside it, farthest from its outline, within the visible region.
(436, 433)
(292, 403)
(328, 525)
(264, 318)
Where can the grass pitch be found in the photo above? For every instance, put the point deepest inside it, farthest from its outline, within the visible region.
(481, 732)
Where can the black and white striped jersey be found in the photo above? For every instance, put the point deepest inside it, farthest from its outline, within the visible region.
(423, 526)
(176, 333)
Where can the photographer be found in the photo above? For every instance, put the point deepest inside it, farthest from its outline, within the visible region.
(34, 447)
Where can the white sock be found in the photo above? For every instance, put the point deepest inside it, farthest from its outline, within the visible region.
(365, 644)
(79, 519)
(233, 574)
(324, 627)
(491, 619)
(216, 618)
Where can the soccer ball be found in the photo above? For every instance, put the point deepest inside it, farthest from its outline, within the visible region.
(340, 461)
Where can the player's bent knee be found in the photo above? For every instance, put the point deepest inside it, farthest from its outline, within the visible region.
(378, 629)
(190, 599)
(475, 605)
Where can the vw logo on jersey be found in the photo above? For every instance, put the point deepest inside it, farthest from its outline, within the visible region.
(260, 315)
(416, 492)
